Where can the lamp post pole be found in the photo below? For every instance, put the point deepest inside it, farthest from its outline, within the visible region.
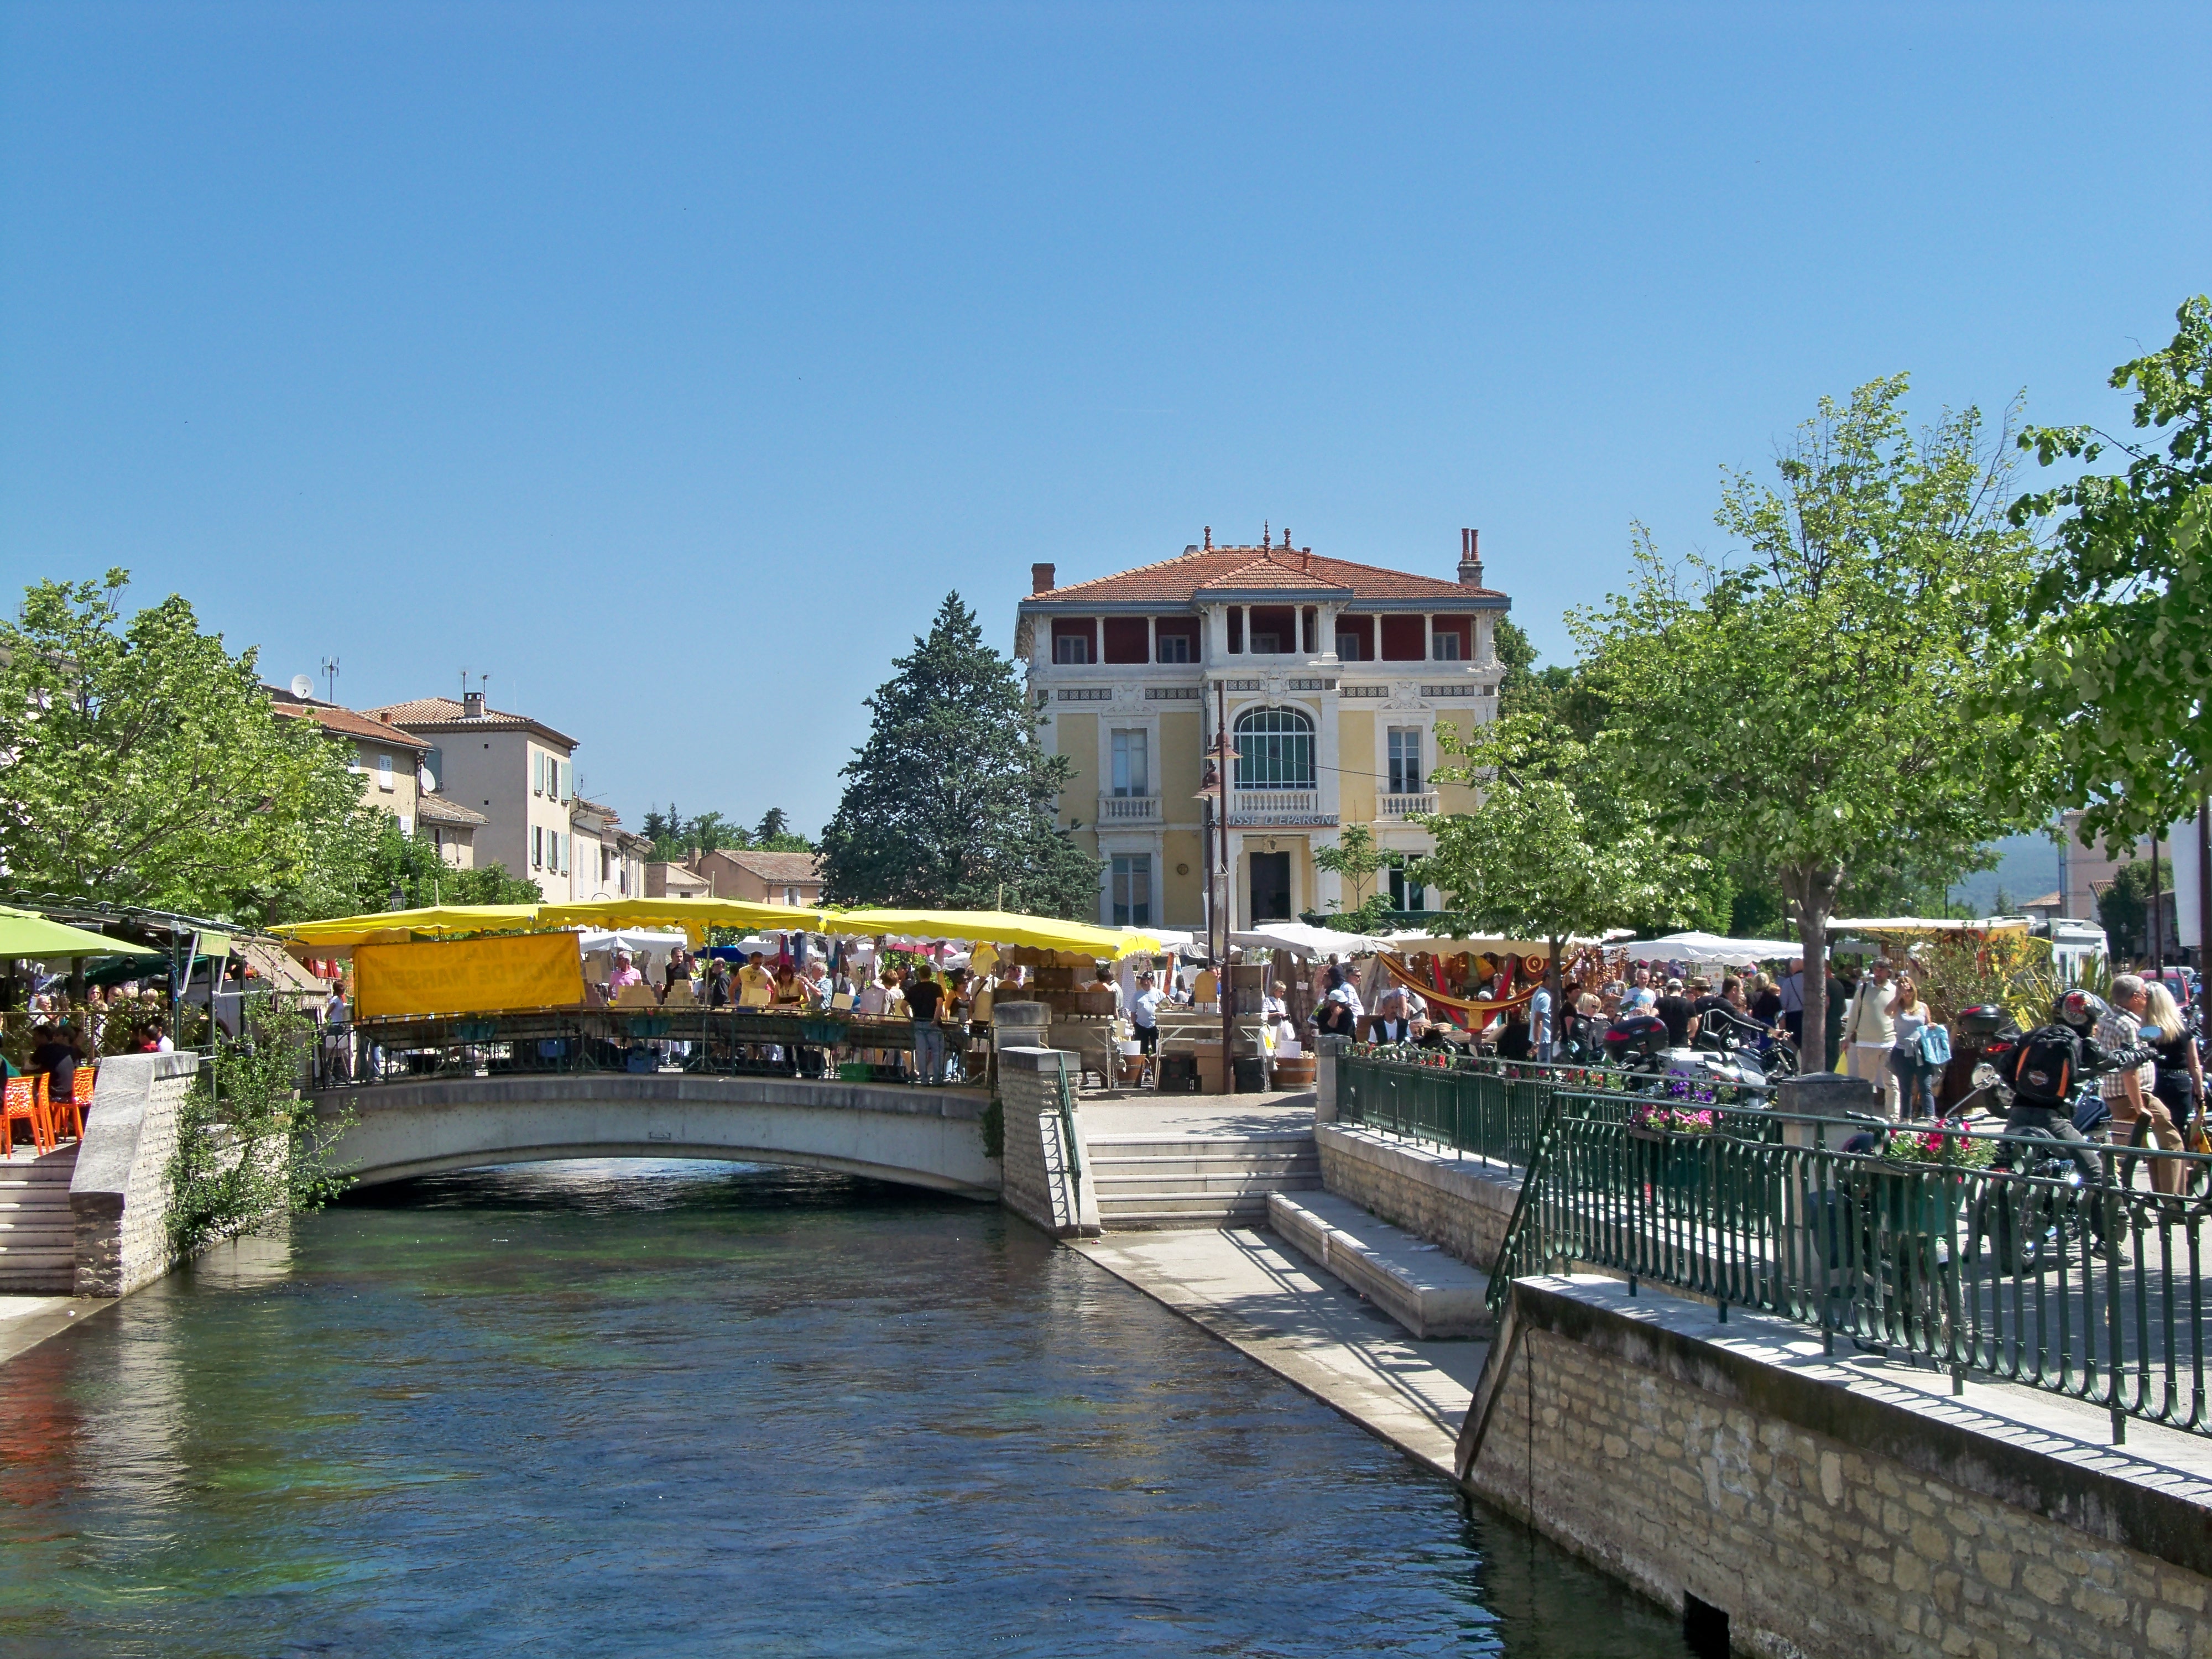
(1226, 978)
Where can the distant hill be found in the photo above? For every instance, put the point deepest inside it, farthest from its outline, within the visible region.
(2027, 868)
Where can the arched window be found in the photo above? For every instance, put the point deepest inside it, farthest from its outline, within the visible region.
(1275, 750)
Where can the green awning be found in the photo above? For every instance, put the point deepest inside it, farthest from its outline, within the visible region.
(27, 933)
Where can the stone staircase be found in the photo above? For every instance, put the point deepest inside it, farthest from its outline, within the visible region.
(37, 1235)
(1197, 1181)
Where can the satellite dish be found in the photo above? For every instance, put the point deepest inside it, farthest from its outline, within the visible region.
(302, 686)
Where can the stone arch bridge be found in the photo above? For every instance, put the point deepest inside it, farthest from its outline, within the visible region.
(930, 1138)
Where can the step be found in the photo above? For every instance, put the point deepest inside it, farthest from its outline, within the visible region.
(1109, 1181)
(1123, 1205)
(38, 1272)
(1202, 1168)
(1165, 1221)
(1429, 1292)
(1265, 1141)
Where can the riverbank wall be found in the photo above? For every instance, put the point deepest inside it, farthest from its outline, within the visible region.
(119, 1193)
(1814, 1509)
(1045, 1177)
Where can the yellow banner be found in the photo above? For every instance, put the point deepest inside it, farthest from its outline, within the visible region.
(468, 976)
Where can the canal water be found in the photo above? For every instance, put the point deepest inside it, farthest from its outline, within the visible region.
(624, 1409)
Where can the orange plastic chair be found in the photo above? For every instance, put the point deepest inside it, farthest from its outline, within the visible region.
(25, 1101)
(66, 1112)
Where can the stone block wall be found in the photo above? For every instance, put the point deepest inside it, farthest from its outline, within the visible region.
(119, 1193)
(1825, 1523)
(1037, 1184)
(1462, 1204)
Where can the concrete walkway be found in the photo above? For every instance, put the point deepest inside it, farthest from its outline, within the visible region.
(1148, 1112)
(28, 1321)
(1254, 1293)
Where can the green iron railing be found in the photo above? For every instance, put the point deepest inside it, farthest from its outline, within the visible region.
(1487, 1107)
(2090, 1289)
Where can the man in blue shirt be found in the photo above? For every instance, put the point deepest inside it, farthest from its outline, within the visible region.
(1539, 1022)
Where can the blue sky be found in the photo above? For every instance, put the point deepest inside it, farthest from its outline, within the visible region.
(671, 363)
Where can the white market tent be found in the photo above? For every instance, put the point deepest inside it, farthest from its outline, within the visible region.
(1301, 940)
(1711, 948)
(648, 948)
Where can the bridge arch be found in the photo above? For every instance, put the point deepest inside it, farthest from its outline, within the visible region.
(931, 1139)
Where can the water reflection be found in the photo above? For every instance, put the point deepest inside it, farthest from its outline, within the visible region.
(622, 1408)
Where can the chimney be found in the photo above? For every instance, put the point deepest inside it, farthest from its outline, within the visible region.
(1470, 557)
(472, 705)
(1041, 579)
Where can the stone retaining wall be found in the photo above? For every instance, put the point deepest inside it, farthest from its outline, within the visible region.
(1037, 1184)
(1828, 1520)
(119, 1193)
(1460, 1203)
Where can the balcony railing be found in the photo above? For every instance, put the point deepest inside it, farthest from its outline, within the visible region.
(1250, 806)
(1400, 807)
(1128, 808)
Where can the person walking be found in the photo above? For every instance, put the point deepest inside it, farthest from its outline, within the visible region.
(1915, 1076)
(2137, 1113)
(1540, 1023)
(1871, 1028)
(923, 996)
(1790, 995)
(2181, 1083)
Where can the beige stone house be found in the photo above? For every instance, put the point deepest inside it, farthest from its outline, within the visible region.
(606, 861)
(676, 881)
(517, 771)
(762, 878)
(387, 759)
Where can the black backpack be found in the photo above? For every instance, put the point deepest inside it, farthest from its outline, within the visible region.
(2042, 1071)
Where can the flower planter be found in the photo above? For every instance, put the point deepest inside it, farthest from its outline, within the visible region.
(1922, 1199)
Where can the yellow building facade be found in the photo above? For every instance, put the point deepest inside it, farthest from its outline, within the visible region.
(1329, 678)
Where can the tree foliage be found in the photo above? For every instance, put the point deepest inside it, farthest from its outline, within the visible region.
(952, 798)
(1552, 851)
(2123, 909)
(2119, 633)
(360, 861)
(678, 840)
(141, 763)
(1357, 860)
(248, 1147)
(1822, 707)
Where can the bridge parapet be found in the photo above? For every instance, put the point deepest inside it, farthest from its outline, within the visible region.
(931, 1138)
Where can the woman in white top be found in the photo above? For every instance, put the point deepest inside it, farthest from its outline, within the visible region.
(1916, 1077)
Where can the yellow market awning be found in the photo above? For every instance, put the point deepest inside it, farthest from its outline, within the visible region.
(27, 934)
(694, 915)
(397, 926)
(996, 927)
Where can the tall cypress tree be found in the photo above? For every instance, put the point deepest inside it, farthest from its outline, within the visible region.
(951, 799)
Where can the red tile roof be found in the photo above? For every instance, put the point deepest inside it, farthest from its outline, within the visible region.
(335, 718)
(444, 714)
(1179, 581)
(438, 810)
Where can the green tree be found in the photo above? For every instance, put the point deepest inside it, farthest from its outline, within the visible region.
(144, 764)
(2124, 908)
(2119, 633)
(1822, 709)
(358, 865)
(951, 797)
(774, 834)
(1536, 859)
(248, 1148)
(1358, 861)
(1556, 691)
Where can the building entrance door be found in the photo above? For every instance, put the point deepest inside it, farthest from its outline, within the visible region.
(1271, 887)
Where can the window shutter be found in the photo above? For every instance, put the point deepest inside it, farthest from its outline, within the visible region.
(567, 773)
